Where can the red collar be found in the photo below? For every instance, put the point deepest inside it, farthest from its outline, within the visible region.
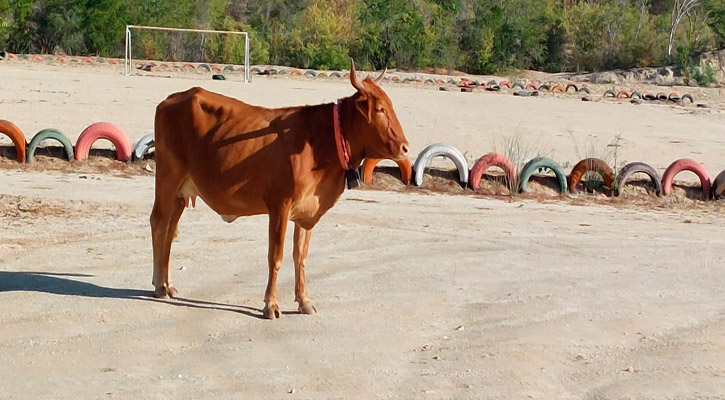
(342, 154)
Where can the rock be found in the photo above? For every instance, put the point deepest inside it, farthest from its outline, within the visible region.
(605, 78)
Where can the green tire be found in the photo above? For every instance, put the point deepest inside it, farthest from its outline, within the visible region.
(537, 163)
(45, 134)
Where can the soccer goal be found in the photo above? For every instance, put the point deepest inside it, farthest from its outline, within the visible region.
(187, 45)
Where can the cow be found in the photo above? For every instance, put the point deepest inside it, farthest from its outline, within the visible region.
(289, 163)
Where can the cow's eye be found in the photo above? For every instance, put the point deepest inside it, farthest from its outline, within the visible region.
(380, 110)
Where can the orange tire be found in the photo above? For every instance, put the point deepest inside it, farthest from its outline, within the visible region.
(686, 164)
(17, 136)
(571, 85)
(591, 165)
(492, 160)
(103, 130)
(406, 170)
(557, 88)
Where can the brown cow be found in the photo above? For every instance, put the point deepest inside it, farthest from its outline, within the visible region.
(289, 163)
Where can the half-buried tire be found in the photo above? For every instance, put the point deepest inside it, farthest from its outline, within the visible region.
(686, 164)
(718, 186)
(143, 146)
(49, 134)
(638, 167)
(17, 136)
(590, 165)
(492, 160)
(103, 130)
(406, 170)
(444, 150)
(539, 163)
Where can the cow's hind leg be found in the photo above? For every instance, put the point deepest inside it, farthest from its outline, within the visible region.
(277, 230)
(301, 245)
(164, 221)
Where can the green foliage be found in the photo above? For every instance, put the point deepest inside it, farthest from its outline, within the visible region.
(478, 36)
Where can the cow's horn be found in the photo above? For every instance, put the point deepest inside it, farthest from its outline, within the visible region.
(379, 79)
(353, 77)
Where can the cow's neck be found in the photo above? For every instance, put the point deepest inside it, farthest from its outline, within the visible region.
(349, 132)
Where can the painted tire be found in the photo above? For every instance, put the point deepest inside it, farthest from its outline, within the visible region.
(636, 95)
(46, 134)
(686, 164)
(526, 93)
(571, 85)
(444, 150)
(505, 84)
(638, 167)
(103, 130)
(718, 186)
(310, 73)
(17, 136)
(229, 68)
(544, 87)
(218, 77)
(674, 97)
(339, 75)
(593, 165)
(491, 160)
(143, 146)
(532, 85)
(203, 66)
(661, 96)
(557, 88)
(584, 90)
(256, 70)
(492, 88)
(622, 93)
(537, 163)
(687, 96)
(649, 96)
(609, 93)
(519, 85)
(406, 170)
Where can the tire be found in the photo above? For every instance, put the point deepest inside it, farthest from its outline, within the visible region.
(571, 85)
(203, 67)
(492, 160)
(256, 70)
(519, 85)
(544, 87)
(534, 165)
(636, 95)
(686, 164)
(229, 68)
(493, 88)
(526, 93)
(584, 90)
(687, 96)
(661, 96)
(593, 165)
(674, 97)
(557, 88)
(622, 93)
(46, 134)
(444, 150)
(586, 98)
(310, 73)
(649, 96)
(406, 170)
(718, 186)
(505, 84)
(337, 74)
(17, 136)
(609, 93)
(218, 77)
(532, 85)
(143, 146)
(638, 167)
(103, 130)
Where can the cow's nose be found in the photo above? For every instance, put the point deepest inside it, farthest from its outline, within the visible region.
(404, 149)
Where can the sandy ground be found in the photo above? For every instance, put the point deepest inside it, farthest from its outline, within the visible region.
(419, 295)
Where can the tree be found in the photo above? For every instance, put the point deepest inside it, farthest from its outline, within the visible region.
(679, 10)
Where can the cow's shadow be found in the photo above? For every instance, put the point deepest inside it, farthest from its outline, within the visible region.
(62, 284)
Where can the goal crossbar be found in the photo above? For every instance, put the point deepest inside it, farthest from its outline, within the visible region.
(128, 59)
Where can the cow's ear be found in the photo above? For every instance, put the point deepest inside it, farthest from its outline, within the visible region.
(363, 105)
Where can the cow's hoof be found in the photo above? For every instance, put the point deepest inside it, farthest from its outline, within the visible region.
(306, 307)
(271, 311)
(165, 292)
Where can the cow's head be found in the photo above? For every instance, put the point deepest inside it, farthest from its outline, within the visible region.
(383, 135)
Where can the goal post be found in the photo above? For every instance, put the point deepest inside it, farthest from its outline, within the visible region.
(128, 57)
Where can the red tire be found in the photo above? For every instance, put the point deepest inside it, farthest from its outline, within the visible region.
(17, 136)
(532, 85)
(622, 93)
(505, 84)
(103, 130)
(686, 164)
(87, 60)
(591, 165)
(492, 160)
(406, 170)
(37, 58)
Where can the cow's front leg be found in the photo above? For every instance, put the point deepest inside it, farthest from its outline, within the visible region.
(277, 230)
(301, 245)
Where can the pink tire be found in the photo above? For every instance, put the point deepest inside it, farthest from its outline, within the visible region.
(532, 85)
(103, 130)
(686, 164)
(622, 93)
(492, 160)
(505, 84)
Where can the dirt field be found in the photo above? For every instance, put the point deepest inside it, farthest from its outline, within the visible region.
(419, 295)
